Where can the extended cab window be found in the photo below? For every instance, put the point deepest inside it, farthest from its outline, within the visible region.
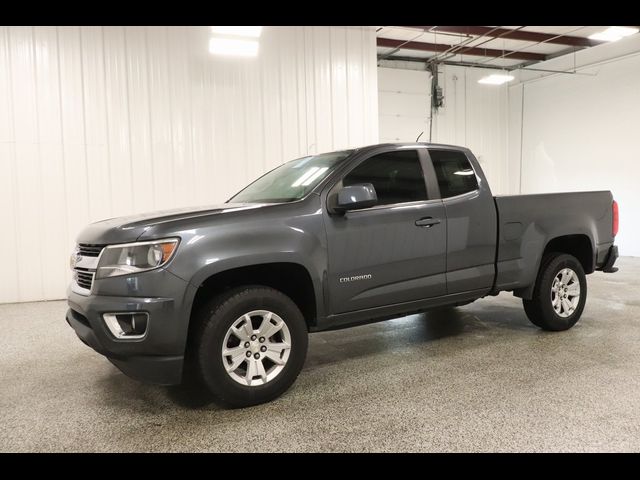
(454, 173)
(396, 176)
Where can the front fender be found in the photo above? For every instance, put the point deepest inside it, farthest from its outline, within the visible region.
(225, 265)
(289, 234)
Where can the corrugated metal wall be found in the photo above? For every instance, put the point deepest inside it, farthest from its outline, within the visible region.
(100, 122)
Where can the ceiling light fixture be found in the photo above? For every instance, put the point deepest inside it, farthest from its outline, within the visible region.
(495, 79)
(233, 46)
(613, 34)
(250, 31)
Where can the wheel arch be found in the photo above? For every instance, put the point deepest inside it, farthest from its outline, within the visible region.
(291, 278)
(578, 245)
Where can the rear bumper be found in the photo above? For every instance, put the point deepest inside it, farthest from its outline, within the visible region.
(610, 260)
(157, 358)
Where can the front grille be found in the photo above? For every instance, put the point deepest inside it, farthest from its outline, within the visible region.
(84, 278)
(85, 261)
(89, 250)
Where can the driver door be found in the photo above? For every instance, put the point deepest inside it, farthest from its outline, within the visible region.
(392, 252)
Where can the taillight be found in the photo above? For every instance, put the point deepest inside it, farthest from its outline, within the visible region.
(614, 227)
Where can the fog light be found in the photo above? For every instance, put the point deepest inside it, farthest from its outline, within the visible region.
(128, 326)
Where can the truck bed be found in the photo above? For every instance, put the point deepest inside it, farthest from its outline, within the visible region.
(526, 223)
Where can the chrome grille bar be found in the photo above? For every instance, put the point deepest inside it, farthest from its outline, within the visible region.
(85, 262)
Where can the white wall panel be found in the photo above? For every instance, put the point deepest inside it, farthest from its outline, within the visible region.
(28, 180)
(514, 139)
(323, 102)
(580, 132)
(97, 122)
(404, 101)
(475, 115)
(355, 81)
(139, 120)
(339, 97)
(49, 129)
(399, 104)
(160, 119)
(369, 88)
(117, 117)
(9, 287)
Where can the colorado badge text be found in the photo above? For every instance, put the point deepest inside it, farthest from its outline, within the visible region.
(355, 278)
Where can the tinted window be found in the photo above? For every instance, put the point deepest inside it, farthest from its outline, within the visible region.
(454, 172)
(396, 176)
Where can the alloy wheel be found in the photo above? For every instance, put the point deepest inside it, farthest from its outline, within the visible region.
(256, 348)
(565, 292)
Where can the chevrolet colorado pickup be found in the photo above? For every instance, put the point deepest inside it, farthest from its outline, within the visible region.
(230, 292)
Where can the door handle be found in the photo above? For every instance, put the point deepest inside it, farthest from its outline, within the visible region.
(427, 222)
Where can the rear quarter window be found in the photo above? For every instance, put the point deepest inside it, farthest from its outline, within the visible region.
(454, 172)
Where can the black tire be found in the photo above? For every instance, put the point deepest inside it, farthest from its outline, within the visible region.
(540, 309)
(215, 319)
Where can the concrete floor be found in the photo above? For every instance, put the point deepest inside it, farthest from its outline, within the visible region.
(475, 378)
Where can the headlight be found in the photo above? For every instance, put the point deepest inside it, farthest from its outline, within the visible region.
(136, 257)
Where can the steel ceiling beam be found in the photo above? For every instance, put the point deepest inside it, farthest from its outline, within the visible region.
(513, 35)
(441, 47)
(486, 66)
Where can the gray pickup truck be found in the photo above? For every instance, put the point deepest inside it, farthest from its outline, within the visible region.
(227, 294)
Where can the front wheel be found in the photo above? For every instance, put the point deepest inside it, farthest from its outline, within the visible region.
(559, 295)
(250, 345)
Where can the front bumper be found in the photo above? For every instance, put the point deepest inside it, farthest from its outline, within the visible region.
(158, 357)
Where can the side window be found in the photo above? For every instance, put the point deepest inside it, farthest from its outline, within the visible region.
(454, 172)
(396, 176)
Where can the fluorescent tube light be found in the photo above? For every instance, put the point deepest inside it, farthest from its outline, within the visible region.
(249, 31)
(233, 46)
(613, 34)
(496, 79)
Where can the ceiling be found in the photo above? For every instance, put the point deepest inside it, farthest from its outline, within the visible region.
(507, 47)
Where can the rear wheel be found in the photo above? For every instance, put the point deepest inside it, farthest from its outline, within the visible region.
(250, 346)
(559, 295)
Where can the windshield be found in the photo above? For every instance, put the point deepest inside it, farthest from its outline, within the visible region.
(292, 180)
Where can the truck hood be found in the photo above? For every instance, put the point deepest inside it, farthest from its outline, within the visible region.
(130, 228)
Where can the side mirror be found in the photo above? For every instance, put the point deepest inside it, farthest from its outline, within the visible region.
(355, 197)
